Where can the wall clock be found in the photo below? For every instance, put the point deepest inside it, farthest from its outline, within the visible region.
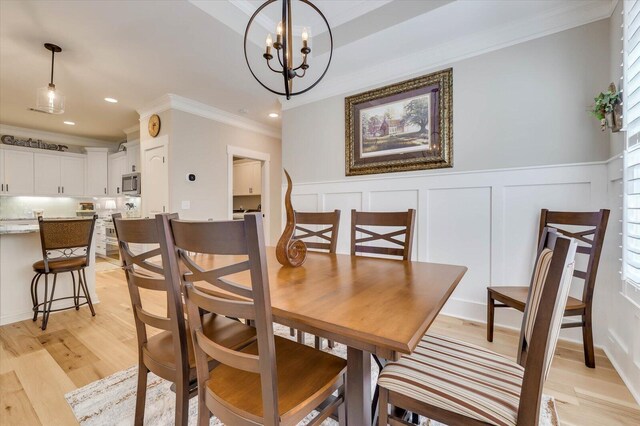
(154, 125)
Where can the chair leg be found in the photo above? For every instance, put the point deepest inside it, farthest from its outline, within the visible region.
(301, 335)
(331, 344)
(182, 402)
(204, 415)
(292, 332)
(85, 289)
(317, 342)
(342, 414)
(76, 292)
(141, 393)
(587, 340)
(34, 295)
(383, 407)
(47, 309)
(490, 313)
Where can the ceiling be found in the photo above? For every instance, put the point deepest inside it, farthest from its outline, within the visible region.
(137, 51)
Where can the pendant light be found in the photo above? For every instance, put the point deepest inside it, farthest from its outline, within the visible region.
(48, 98)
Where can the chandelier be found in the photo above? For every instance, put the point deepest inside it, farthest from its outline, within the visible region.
(279, 53)
(48, 99)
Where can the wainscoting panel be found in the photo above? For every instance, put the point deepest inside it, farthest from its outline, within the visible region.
(485, 220)
(305, 202)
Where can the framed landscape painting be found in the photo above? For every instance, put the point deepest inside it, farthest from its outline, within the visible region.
(402, 127)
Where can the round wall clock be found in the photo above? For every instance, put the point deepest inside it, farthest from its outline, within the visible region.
(154, 125)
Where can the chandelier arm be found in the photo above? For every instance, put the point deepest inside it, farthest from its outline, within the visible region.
(273, 69)
(279, 59)
(299, 66)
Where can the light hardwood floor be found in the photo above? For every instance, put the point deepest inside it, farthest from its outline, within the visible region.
(37, 368)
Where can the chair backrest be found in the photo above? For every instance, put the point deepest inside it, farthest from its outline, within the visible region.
(140, 253)
(403, 220)
(66, 238)
(543, 315)
(243, 241)
(328, 233)
(596, 226)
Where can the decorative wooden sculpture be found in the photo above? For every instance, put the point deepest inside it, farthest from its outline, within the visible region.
(290, 252)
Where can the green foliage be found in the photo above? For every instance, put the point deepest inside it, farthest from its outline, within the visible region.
(605, 102)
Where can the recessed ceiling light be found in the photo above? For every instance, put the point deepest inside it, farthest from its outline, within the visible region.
(112, 100)
(70, 123)
(274, 115)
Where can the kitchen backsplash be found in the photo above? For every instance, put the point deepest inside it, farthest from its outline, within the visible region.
(23, 207)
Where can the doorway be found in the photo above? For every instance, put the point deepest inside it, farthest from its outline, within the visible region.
(248, 189)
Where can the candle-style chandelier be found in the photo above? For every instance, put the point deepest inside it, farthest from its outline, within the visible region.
(284, 47)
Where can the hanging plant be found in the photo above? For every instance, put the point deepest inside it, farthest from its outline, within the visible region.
(604, 106)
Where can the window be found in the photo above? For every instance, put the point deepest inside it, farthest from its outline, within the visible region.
(631, 108)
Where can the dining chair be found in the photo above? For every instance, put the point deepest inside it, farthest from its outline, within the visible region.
(457, 383)
(66, 247)
(273, 380)
(401, 223)
(515, 297)
(168, 354)
(362, 222)
(311, 227)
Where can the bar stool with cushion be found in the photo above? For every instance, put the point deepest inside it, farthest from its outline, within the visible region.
(457, 383)
(272, 381)
(319, 231)
(66, 247)
(169, 353)
(591, 224)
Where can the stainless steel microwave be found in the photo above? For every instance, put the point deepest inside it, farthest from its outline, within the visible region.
(131, 184)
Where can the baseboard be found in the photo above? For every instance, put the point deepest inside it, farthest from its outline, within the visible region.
(21, 316)
(628, 382)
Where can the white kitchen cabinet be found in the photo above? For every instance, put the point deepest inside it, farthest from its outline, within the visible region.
(47, 174)
(72, 175)
(133, 157)
(58, 174)
(117, 167)
(16, 172)
(97, 171)
(247, 178)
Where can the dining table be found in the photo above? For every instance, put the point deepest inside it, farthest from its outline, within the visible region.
(373, 305)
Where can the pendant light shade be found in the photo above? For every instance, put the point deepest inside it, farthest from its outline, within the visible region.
(49, 99)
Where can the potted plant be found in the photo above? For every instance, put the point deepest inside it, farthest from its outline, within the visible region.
(604, 108)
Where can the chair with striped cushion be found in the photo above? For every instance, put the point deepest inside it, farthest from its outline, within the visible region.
(458, 383)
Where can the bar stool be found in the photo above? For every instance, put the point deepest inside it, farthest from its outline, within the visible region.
(66, 246)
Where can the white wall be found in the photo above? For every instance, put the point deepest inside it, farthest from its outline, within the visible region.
(74, 142)
(520, 106)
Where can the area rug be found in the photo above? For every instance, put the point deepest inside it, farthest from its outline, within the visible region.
(112, 400)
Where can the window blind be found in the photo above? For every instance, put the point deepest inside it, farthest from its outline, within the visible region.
(631, 113)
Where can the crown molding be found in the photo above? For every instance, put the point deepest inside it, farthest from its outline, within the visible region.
(24, 132)
(180, 103)
(132, 129)
(564, 17)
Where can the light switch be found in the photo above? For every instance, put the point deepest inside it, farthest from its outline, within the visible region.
(186, 205)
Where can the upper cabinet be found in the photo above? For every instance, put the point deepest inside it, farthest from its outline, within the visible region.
(133, 157)
(57, 174)
(117, 168)
(97, 171)
(16, 172)
(247, 178)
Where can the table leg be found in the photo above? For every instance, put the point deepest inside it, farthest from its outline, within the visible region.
(358, 387)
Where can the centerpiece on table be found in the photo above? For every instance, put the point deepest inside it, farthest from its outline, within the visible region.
(290, 252)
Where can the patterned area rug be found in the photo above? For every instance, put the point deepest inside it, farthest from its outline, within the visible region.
(111, 401)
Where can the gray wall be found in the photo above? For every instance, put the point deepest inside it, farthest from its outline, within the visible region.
(199, 145)
(524, 105)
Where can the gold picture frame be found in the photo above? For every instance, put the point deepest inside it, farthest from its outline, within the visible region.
(402, 127)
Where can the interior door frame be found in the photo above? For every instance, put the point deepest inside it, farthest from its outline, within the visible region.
(265, 161)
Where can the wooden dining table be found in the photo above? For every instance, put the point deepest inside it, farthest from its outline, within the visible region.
(372, 305)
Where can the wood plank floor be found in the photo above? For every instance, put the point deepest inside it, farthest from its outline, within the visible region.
(37, 368)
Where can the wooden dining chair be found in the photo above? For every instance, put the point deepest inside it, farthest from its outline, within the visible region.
(457, 383)
(402, 223)
(362, 222)
(272, 381)
(515, 297)
(311, 227)
(168, 354)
